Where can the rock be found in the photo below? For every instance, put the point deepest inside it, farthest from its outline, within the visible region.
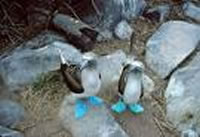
(5, 132)
(69, 24)
(11, 113)
(78, 33)
(24, 65)
(158, 13)
(113, 11)
(110, 67)
(182, 97)
(37, 42)
(97, 123)
(104, 35)
(189, 133)
(132, 8)
(166, 49)
(192, 11)
(123, 31)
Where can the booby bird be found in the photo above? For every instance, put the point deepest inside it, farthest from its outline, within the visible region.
(84, 83)
(130, 88)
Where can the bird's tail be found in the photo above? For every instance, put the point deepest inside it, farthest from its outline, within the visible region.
(62, 58)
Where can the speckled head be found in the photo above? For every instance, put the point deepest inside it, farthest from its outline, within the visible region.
(136, 66)
(89, 61)
(129, 60)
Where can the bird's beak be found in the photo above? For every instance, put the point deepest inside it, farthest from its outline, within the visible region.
(138, 69)
(84, 64)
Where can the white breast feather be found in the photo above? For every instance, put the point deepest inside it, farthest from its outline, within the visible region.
(91, 82)
(132, 90)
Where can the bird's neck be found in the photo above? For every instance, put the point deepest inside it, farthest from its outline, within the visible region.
(132, 76)
(89, 70)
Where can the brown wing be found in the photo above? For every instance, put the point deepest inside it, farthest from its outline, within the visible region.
(122, 83)
(71, 80)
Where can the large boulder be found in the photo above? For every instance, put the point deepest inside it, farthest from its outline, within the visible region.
(11, 113)
(78, 33)
(115, 10)
(182, 96)
(191, 10)
(110, 66)
(25, 64)
(111, 12)
(170, 45)
(97, 123)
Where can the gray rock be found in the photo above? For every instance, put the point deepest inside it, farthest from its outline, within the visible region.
(37, 42)
(170, 45)
(24, 65)
(69, 24)
(41, 40)
(132, 8)
(110, 67)
(11, 113)
(189, 133)
(123, 31)
(113, 11)
(5, 132)
(78, 33)
(192, 11)
(97, 123)
(182, 96)
(104, 35)
(159, 13)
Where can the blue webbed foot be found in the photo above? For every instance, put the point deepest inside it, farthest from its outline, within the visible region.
(80, 109)
(136, 108)
(94, 100)
(119, 107)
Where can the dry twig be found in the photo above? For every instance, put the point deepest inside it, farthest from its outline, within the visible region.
(72, 10)
(96, 8)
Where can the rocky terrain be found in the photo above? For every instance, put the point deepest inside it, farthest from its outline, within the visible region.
(165, 36)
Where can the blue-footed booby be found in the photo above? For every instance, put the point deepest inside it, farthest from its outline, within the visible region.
(84, 83)
(130, 88)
